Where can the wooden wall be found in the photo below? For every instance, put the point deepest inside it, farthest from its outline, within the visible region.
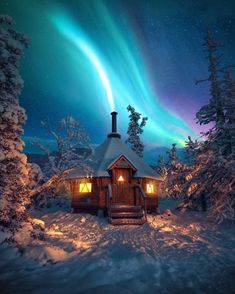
(152, 199)
(96, 198)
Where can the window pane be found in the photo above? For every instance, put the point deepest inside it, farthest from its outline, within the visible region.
(149, 188)
(121, 179)
(85, 187)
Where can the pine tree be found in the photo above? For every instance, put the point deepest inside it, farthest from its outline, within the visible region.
(211, 179)
(172, 173)
(229, 105)
(213, 111)
(173, 155)
(135, 129)
(190, 148)
(14, 170)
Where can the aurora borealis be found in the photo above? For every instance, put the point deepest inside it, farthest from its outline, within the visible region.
(88, 58)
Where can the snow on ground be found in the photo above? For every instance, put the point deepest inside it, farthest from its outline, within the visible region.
(172, 253)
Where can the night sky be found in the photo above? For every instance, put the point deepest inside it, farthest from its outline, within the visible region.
(90, 57)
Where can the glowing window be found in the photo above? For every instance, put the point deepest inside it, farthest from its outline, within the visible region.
(85, 187)
(121, 179)
(149, 188)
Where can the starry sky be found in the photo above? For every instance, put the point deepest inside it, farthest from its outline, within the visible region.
(90, 57)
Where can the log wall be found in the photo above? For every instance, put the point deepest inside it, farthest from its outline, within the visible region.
(96, 199)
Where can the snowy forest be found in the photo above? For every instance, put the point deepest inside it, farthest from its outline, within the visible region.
(187, 243)
(207, 181)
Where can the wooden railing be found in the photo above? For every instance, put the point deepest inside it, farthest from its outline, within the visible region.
(109, 196)
(144, 197)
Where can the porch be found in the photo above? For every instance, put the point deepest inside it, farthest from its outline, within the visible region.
(126, 205)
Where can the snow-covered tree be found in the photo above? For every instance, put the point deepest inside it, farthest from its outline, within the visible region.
(213, 111)
(229, 107)
(71, 142)
(210, 181)
(135, 129)
(190, 147)
(171, 172)
(173, 155)
(72, 149)
(14, 171)
(161, 167)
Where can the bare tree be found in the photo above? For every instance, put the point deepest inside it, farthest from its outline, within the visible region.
(71, 145)
(72, 148)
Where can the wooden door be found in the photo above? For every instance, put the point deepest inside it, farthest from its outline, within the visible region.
(122, 189)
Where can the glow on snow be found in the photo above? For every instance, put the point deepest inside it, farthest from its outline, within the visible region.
(129, 87)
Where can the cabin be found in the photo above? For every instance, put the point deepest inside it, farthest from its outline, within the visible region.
(118, 183)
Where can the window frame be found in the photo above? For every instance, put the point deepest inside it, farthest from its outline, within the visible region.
(87, 186)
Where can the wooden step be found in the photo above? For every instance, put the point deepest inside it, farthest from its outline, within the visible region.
(127, 221)
(125, 208)
(126, 214)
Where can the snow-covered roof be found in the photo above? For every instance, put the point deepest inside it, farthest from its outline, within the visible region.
(106, 153)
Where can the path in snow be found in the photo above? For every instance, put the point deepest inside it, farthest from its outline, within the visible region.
(84, 254)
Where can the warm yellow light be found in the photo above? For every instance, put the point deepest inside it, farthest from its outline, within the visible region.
(150, 188)
(121, 179)
(85, 187)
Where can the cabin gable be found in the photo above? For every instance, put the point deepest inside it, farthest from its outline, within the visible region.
(122, 162)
